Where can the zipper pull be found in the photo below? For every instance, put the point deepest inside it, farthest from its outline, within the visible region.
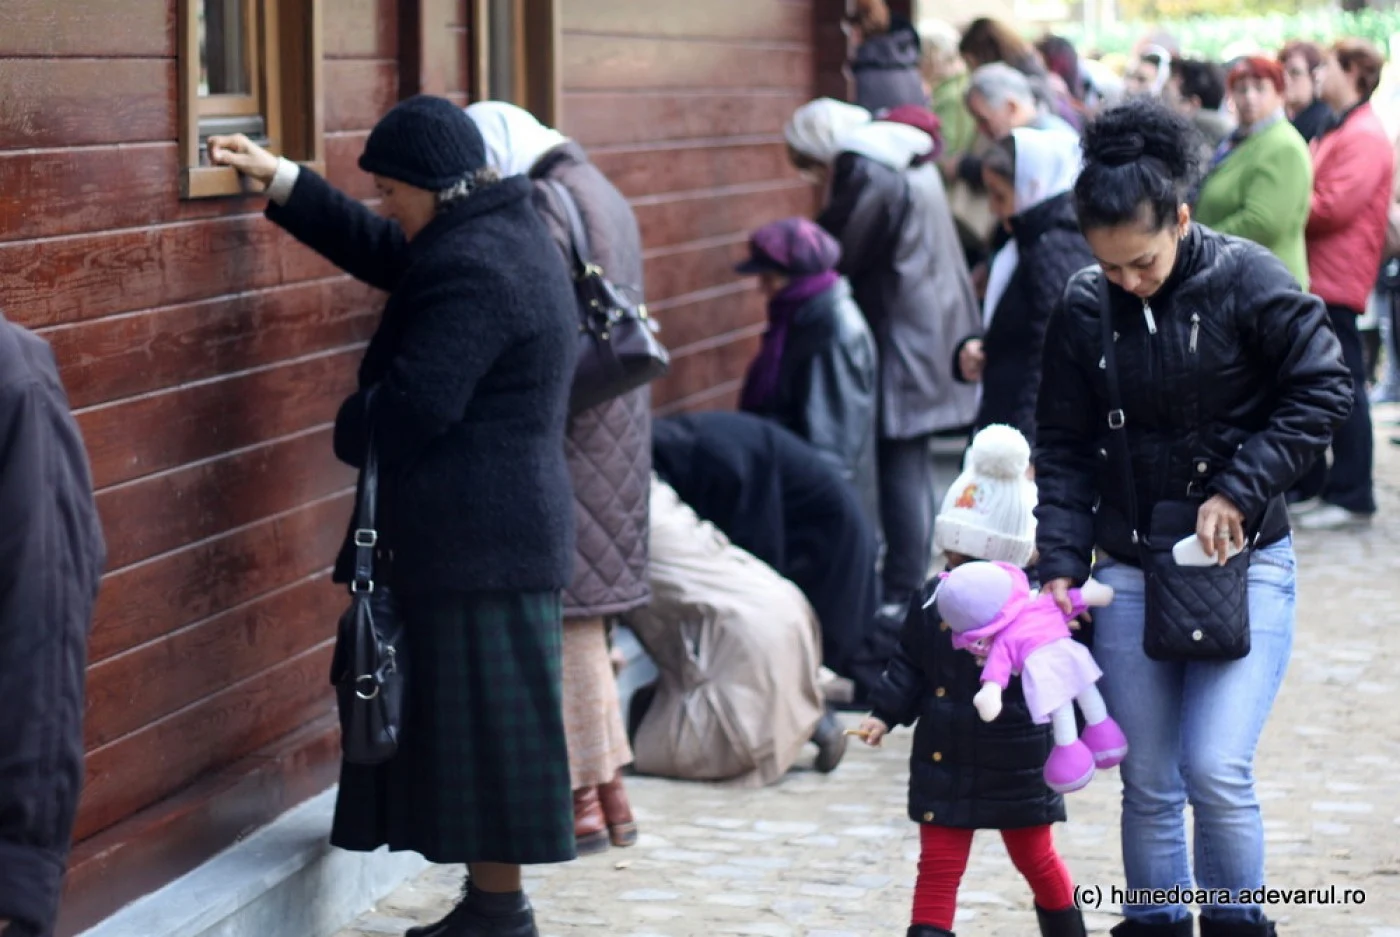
(1151, 320)
(1195, 330)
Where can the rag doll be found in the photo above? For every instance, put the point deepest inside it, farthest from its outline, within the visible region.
(992, 613)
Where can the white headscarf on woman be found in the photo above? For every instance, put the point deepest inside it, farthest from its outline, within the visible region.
(818, 127)
(515, 140)
(1046, 165)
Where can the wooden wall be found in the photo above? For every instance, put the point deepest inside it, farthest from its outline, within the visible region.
(682, 105)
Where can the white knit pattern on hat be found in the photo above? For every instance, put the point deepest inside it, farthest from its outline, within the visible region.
(988, 513)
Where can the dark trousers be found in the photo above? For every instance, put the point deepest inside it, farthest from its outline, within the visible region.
(906, 512)
(1348, 482)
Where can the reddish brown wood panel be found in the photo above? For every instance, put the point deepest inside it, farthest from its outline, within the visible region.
(142, 853)
(707, 316)
(362, 29)
(692, 269)
(775, 20)
(646, 171)
(720, 397)
(359, 92)
(706, 368)
(615, 119)
(130, 28)
(195, 422)
(149, 600)
(139, 687)
(343, 164)
(168, 511)
(670, 220)
(601, 63)
(162, 758)
(79, 102)
(122, 356)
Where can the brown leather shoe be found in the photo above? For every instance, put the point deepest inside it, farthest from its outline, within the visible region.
(590, 825)
(622, 827)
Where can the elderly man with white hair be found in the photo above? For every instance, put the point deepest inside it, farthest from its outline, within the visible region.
(1001, 100)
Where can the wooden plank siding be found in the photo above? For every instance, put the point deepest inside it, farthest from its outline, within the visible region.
(682, 106)
(205, 353)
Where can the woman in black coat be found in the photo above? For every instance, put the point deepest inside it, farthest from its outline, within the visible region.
(1028, 177)
(470, 369)
(1231, 382)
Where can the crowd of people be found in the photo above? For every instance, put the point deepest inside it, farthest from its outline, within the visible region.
(1017, 247)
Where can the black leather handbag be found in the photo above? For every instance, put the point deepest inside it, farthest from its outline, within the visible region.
(618, 348)
(1192, 612)
(368, 668)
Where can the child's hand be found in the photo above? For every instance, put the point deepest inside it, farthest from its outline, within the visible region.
(873, 730)
(988, 702)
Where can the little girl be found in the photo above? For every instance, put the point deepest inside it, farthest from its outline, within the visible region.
(965, 774)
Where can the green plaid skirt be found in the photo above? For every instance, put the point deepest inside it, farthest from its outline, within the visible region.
(482, 773)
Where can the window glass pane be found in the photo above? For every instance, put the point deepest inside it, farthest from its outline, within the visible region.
(223, 47)
(502, 54)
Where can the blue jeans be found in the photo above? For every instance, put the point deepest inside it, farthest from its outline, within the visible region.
(1192, 732)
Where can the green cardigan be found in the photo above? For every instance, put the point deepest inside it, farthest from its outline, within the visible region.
(1263, 192)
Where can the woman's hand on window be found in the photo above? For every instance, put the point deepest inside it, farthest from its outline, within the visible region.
(243, 155)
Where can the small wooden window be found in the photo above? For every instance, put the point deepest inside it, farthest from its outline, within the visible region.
(250, 67)
(515, 54)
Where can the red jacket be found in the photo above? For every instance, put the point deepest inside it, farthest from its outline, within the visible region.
(1353, 171)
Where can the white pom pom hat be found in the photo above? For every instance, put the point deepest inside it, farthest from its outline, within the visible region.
(988, 513)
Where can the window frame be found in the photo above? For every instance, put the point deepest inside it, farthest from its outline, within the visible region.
(537, 49)
(286, 54)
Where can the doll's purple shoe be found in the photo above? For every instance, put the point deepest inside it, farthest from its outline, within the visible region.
(1069, 767)
(1106, 741)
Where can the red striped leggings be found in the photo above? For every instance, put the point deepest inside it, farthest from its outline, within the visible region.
(943, 860)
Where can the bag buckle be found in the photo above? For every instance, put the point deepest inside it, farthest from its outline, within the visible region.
(361, 585)
(1116, 419)
(1194, 489)
(365, 537)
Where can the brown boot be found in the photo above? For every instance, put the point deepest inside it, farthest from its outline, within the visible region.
(622, 827)
(590, 825)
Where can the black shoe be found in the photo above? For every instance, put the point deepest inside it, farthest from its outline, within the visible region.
(466, 921)
(1181, 928)
(1212, 928)
(928, 930)
(831, 742)
(436, 929)
(1066, 923)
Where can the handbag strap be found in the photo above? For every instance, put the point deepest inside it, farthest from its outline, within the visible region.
(366, 536)
(1117, 419)
(578, 234)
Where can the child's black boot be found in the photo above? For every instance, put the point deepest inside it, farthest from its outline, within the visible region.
(928, 930)
(1212, 928)
(1066, 923)
(1181, 928)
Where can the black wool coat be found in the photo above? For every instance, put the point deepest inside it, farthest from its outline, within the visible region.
(51, 557)
(472, 363)
(963, 772)
(1050, 250)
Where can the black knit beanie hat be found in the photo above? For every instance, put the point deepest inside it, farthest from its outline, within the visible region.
(425, 141)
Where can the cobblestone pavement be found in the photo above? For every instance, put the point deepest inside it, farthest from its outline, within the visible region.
(834, 856)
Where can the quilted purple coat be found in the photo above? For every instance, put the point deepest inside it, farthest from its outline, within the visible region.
(609, 446)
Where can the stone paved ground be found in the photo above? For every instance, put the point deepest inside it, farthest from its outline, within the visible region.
(833, 856)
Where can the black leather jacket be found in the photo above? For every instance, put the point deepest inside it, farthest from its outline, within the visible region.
(827, 386)
(1236, 391)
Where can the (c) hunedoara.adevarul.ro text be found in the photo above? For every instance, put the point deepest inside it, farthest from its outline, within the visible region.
(1092, 897)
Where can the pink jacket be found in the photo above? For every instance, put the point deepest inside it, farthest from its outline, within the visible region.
(1353, 172)
(1023, 626)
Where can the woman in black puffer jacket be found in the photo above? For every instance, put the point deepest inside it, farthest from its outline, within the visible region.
(1028, 177)
(1232, 381)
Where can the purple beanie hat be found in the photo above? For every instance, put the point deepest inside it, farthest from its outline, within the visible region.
(797, 247)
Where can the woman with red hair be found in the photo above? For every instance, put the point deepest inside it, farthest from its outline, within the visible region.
(1259, 185)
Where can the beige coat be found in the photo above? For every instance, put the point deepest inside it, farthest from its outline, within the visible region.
(738, 648)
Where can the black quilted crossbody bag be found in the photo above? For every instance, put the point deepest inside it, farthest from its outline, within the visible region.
(1192, 612)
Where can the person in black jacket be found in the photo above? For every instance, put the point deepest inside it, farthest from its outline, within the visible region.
(773, 497)
(1232, 381)
(886, 64)
(966, 774)
(470, 374)
(815, 372)
(51, 558)
(1028, 177)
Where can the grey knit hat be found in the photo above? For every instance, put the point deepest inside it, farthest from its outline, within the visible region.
(426, 142)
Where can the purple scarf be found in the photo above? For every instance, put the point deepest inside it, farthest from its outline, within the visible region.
(761, 383)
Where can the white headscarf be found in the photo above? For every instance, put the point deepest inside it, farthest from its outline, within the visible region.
(1047, 164)
(894, 145)
(817, 128)
(515, 140)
